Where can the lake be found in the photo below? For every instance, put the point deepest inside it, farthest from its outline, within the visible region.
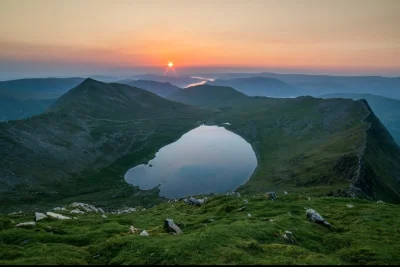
(207, 159)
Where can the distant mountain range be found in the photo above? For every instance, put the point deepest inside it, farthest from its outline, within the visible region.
(316, 85)
(386, 109)
(159, 88)
(179, 81)
(27, 97)
(259, 86)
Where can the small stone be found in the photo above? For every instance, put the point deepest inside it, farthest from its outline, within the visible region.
(40, 216)
(104, 216)
(133, 229)
(75, 218)
(249, 215)
(143, 209)
(246, 201)
(144, 233)
(286, 193)
(380, 202)
(349, 206)
(26, 224)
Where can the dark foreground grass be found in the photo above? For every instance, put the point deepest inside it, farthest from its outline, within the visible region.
(219, 232)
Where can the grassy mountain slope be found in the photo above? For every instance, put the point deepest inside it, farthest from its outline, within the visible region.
(219, 232)
(23, 98)
(259, 86)
(386, 109)
(314, 145)
(208, 96)
(86, 142)
(159, 88)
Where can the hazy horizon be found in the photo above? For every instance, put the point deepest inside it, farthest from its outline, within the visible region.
(75, 38)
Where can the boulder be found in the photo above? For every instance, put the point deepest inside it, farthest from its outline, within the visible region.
(171, 227)
(314, 216)
(76, 211)
(144, 233)
(271, 195)
(40, 216)
(289, 237)
(57, 216)
(194, 201)
(26, 224)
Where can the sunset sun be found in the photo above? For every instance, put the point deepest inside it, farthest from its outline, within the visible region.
(170, 64)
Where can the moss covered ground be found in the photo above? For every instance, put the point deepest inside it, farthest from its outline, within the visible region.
(218, 232)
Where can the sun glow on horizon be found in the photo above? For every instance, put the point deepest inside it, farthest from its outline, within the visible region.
(170, 64)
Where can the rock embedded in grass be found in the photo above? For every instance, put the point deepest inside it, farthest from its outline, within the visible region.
(26, 224)
(271, 195)
(40, 216)
(57, 216)
(171, 227)
(289, 237)
(314, 216)
(144, 233)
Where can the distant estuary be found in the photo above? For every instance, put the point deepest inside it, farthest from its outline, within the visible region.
(207, 159)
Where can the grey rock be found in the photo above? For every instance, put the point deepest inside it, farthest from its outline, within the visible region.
(314, 216)
(57, 216)
(144, 233)
(76, 211)
(26, 224)
(289, 237)
(40, 216)
(271, 196)
(171, 227)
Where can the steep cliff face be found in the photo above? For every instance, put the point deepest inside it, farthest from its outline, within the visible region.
(379, 166)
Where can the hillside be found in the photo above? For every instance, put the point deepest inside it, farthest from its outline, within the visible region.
(159, 88)
(208, 96)
(24, 98)
(86, 141)
(225, 230)
(80, 149)
(259, 86)
(324, 146)
(386, 109)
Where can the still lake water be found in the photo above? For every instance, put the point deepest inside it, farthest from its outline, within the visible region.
(207, 159)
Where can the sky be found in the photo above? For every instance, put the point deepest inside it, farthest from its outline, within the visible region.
(54, 37)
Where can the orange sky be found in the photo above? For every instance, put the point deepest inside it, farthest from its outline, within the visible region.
(303, 34)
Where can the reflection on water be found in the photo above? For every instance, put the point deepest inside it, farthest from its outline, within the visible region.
(208, 159)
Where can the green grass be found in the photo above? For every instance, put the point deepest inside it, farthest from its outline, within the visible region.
(215, 233)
